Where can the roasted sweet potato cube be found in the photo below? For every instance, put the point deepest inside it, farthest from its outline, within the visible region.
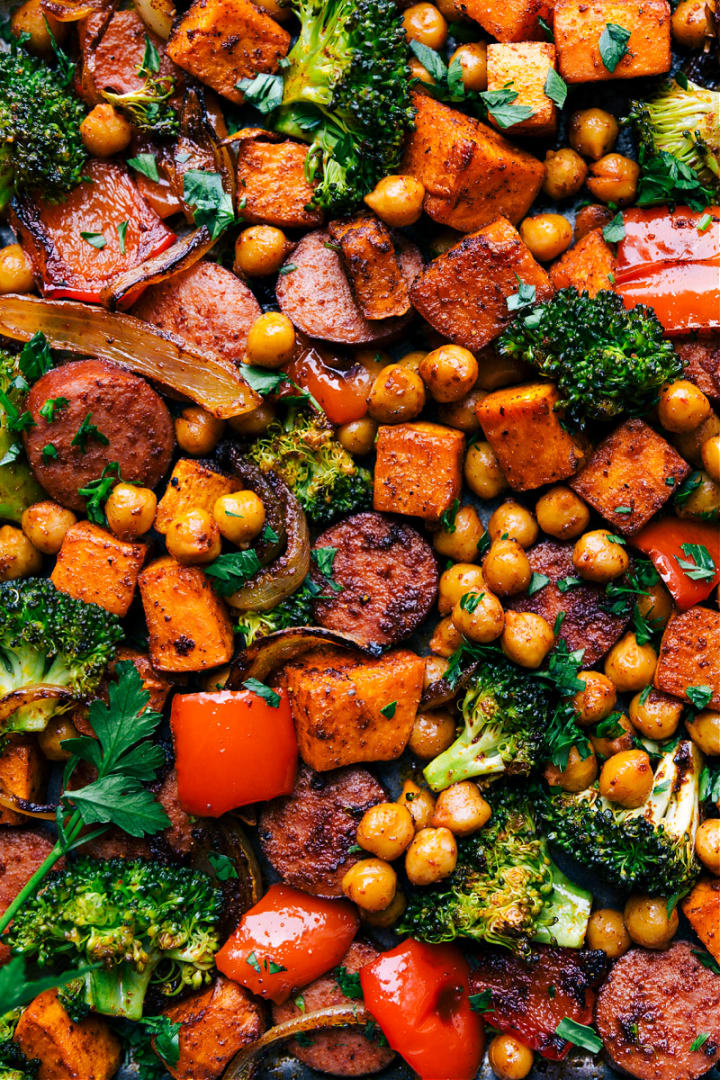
(194, 485)
(223, 41)
(630, 476)
(215, 1025)
(579, 25)
(523, 428)
(94, 566)
(464, 293)
(702, 910)
(470, 172)
(89, 1050)
(371, 263)
(154, 684)
(689, 653)
(587, 267)
(271, 185)
(188, 625)
(418, 469)
(337, 703)
(22, 774)
(525, 65)
(511, 20)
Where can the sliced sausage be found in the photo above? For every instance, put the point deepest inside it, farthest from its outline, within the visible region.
(387, 576)
(21, 853)
(653, 1008)
(118, 57)
(307, 836)
(133, 425)
(343, 1052)
(206, 305)
(180, 833)
(703, 364)
(317, 296)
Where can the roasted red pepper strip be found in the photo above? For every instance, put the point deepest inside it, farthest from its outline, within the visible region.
(657, 236)
(662, 540)
(341, 394)
(419, 996)
(684, 296)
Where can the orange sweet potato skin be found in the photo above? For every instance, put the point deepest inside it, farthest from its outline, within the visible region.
(689, 653)
(511, 20)
(579, 24)
(66, 1050)
(192, 486)
(525, 64)
(215, 1025)
(702, 910)
(94, 566)
(272, 186)
(587, 266)
(418, 469)
(22, 773)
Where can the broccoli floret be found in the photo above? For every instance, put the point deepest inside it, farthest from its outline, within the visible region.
(295, 610)
(148, 107)
(505, 888)
(652, 847)
(40, 117)
(14, 1065)
(50, 638)
(321, 474)
(505, 716)
(605, 360)
(139, 922)
(18, 487)
(347, 92)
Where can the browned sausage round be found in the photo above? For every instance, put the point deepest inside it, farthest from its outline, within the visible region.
(653, 1008)
(318, 298)
(388, 576)
(133, 425)
(307, 836)
(344, 1052)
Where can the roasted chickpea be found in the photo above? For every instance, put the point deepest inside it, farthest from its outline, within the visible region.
(51, 738)
(593, 132)
(479, 617)
(105, 131)
(389, 915)
(614, 179)
(606, 931)
(45, 524)
(255, 422)
(130, 510)
(508, 1058)
(397, 200)
(198, 431)
(424, 23)
(682, 406)
(627, 778)
(397, 395)
(655, 715)
(413, 359)
(260, 251)
(449, 372)
(455, 582)
(461, 809)
(420, 72)
(358, 436)
(435, 669)
(16, 275)
(419, 802)
(431, 857)
(506, 568)
(527, 638)
(193, 537)
(704, 729)
(483, 474)
(707, 845)
(648, 923)
(591, 217)
(239, 516)
(18, 557)
(511, 521)
(596, 701)
(599, 558)
(703, 502)
(579, 773)
(561, 513)
(386, 829)
(461, 414)
(691, 25)
(616, 736)
(371, 884)
(709, 452)
(546, 235)
(31, 19)
(432, 732)
(461, 540)
(271, 340)
(657, 605)
(565, 173)
(373, 360)
(473, 62)
(630, 666)
(446, 638)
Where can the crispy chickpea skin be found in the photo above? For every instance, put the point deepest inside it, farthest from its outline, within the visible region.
(579, 773)
(511, 521)
(506, 568)
(45, 524)
(271, 340)
(704, 730)
(508, 1058)
(455, 582)
(691, 25)
(424, 23)
(386, 830)
(614, 179)
(627, 778)
(461, 541)
(397, 200)
(479, 617)
(389, 915)
(449, 372)
(596, 700)
(462, 414)
(656, 605)
(260, 250)
(446, 638)
(105, 131)
(239, 516)
(682, 406)
(703, 502)
(432, 732)
(483, 474)
(358, 436)
(565, 173)
(397, 395)
(707, 845)
(648, 923)
(629, 665)
(473, 62)
(50, 739)
(197, 431)
(130, 510)
(30, 19)
(599, 558)
(435, 669)
(461, 809)
(618, 737)
(193, 537)
(18, 557)
(606, 931)
(371, 884)
(419, 802)
(431, 857)
(16, 273)
(546, 235)
(655, 715)
(593, 132)
(527, 638)
(561, 513)
(710, 453)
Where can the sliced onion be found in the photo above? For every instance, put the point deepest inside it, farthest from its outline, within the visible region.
(70, 10)
(181, 255)
(40, 811)
(259, 660)
(18, 699)
(205, 378)
(442, 690)
(157, 15)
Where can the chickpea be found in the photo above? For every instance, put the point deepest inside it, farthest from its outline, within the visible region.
(511, 521)
(655, 715)
(386, 829)
(371, 884)
(389, 915)
(703, 502)
(105, 131)
(45, 524)
(455, 582)
(461, 541)
(419, 802)
(682, 406)
(239, 516)
(618, 737)
(130, 510)
(657, 604)
(561, 513)
(254, 422)
(506, 568)
(193, 537)
(565, 173)
(397, 395)
(579, 773)
(197, 431)
(446, 638)
(424, 23)
(412, 359)
(606, 931)
(431, 857)
(50, 739)
(357, 436)
(461, 809)
(508, 1058)
(30, 19)
(419, 72)
(527, 638)
(483, 474)
(593, 132)
(596, 701)
(648, 923)
(398, 200)
(260, 251)
(591, 217)
(271, 340)
(690, 24)
(704, 730)
(18, 557)
(449, 372)
(479, 617)
(473, 62)
(629, 665)
(432, 732)
(627, 778)
(707, 845)
(599, 558)
(16, 273)
(546, 235)
(461, 414)
(709, 452)
(373, 360)
(435, 669)
(614, 179)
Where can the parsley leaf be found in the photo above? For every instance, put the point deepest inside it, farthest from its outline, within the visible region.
(500, 108)
(151, 59)
(389, 709)
(430, 60)
(96, 492)
(52, 405)
(699, 1041)
(556, 87)
(265, 692)
(230, 572)
(523, 298)
(613, 45)
(537, 582)
(700, 696)
(707, 960)
(88, 430)
(35, 357)
(699, 565)
(224, 867)
(145, 164)
(213, 206)
(264, 92)
(122, 232)
(348, 982)
(481, 1002)
(447, 519)
(613, 232)
(96, 239)
(579, 1035)
(16, 989)
(324, 558)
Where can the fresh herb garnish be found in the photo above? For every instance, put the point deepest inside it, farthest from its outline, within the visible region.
(264, 91)
(481, 1002)
(88, 430)
(95, 239)
(231, 571)
(51, 406)
(699, 565)
(579, 1035)
(537, 582)
(348, 982)
(523, 298)
(223, 866)
(265, 692)
(122, 232)
(699, 696)
(324, 557)
(146, 165)
(204, 192)
(556, 89)
(499, 105)
(96, 492)
(389, 709)
(613, 45)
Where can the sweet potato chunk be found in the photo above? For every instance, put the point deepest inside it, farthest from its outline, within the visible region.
(215, 1025)
(192, 486)
(512, 20)
(587, 266)
(371, 263)
(418, 469)
(470, 172)
(272, 187)
(633, 468)
(702, 910)
(66, 1050)
(579, 25)
(94, 566)
(22, 773)
(463, 293)
(689, 653)
(189, 628)
(524, 430)
(337, 702)
(525, 65)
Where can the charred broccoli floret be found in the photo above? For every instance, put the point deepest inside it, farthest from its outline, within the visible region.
(136, 922)
(295, 610)
(652, 847)
(148, 107)
(14, 1065)
(605, 360)
(505, 889)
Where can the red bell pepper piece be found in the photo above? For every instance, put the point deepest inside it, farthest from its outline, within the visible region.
(342, 394)
(684, 296)
(655, 236)
(288, 939)
(663, 541)
(419, 996)
(232, 748)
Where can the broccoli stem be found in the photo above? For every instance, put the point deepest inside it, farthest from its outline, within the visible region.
(119, 991)
(468, 756)
(565, 913)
